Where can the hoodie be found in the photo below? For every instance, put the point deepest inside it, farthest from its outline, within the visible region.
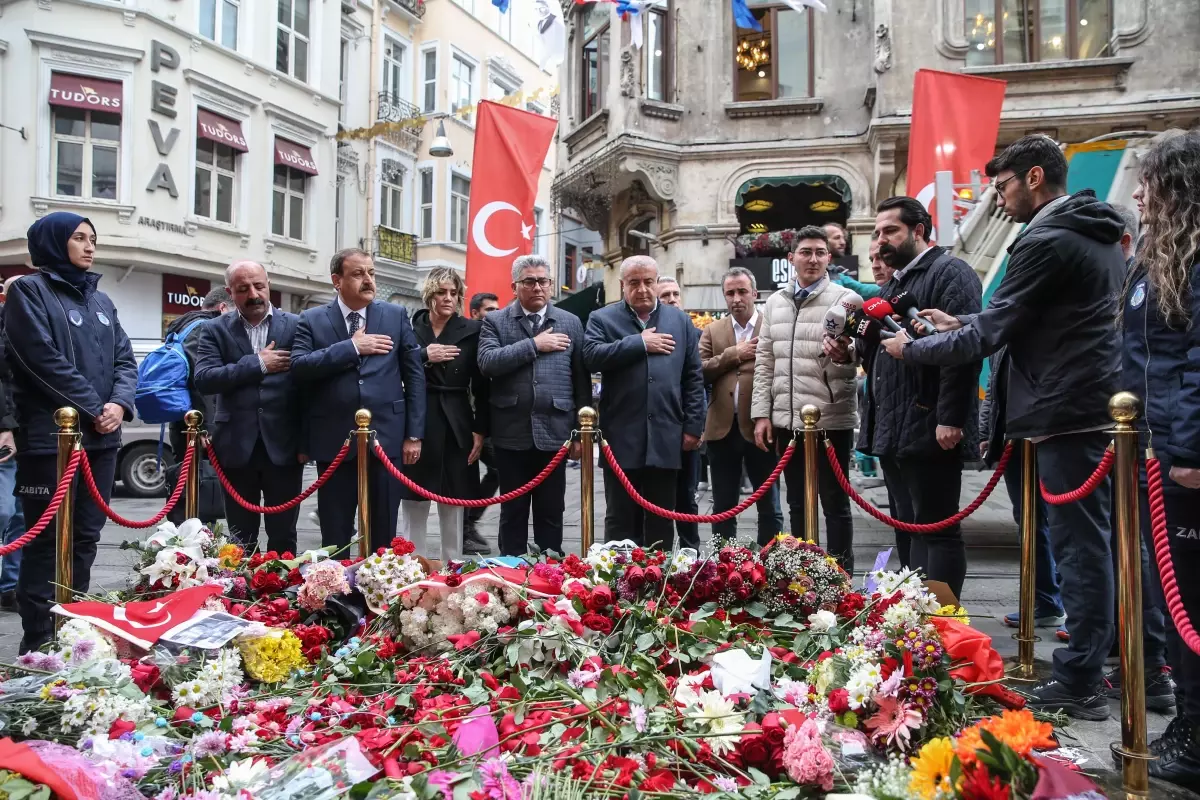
(1054, 309)
(65, 344)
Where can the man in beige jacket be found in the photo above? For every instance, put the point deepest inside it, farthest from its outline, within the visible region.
(791, 371)
(727, 355)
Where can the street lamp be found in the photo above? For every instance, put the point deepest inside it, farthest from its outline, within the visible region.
(440, 147)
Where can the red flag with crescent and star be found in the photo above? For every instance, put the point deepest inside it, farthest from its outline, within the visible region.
(510, 148)
(143, 622)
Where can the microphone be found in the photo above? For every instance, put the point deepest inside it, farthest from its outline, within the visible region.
(879, 309)
(904, 303)
(835, 321)
(853, 304)
(871, 333)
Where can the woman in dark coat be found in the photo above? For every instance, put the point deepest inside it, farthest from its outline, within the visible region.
(456, 403)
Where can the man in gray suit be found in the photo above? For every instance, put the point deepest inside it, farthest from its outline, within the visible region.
(651, 399)
(533, 354)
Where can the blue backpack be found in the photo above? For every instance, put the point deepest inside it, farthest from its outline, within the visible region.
(162, 394)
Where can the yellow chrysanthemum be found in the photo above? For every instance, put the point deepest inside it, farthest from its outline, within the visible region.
(930, 777)
(272, 658)
(1016, 729)
(230, 556)
(957, 613)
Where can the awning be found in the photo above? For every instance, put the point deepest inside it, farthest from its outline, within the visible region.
(221, 130)
(293, 155)
(91, 94)
(835, 183)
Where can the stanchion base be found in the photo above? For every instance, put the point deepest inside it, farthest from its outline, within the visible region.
(1110, 784)
(1016, 675)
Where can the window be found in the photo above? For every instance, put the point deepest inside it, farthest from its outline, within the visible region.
(499, 89)
(774, 63)
(468, 5)
(87, 145)
(657, 49)
(393, 69)
(462, 85)
(287, 211)
(1019, 31)
(219, 21)
(339, 211)
(429, 80)
(291, 42)
(504, 26)
(426, 222)
(594, 69)
(460, 190)
(216, 180)
(343, 66)
(391, 195)
(539, 238)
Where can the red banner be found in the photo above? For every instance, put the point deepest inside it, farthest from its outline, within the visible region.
(510, 147)
(955, 122)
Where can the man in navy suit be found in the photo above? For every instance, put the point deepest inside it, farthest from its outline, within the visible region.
(357, 353)
(242, 357)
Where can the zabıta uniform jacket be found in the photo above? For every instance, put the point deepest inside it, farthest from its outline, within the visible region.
(791, 369)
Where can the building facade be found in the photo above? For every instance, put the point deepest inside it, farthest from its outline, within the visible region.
(709, 132)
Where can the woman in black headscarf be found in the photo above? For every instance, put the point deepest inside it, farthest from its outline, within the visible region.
(66, 348)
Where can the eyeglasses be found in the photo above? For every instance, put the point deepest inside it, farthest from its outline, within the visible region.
(809, 255)
(533, 283)
(1000, 185)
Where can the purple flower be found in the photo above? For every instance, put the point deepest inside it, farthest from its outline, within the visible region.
(82, 651)
(498, 784)
(209, 744)
(638, 714)
(443, 781)
(725, 783)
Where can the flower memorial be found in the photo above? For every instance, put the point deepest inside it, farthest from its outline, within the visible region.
(745, 672)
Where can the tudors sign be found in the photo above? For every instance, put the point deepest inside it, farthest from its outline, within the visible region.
(181, 295)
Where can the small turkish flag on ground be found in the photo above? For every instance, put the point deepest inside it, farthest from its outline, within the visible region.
(510, 148)
(145, 622)
(955, 121)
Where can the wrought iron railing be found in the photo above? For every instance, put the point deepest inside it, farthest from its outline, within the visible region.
(393, 108)
(414, 7)
(395, 245)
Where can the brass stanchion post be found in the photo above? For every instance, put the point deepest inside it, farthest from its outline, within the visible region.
(1029, 506)
(362, 419)
(1125, 409)
(191, 495)
(67, 420)
(811, 415)
(587, 479)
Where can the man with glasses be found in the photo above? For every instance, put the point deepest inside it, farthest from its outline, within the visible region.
(1054, 310)
(792, 370)
(533, 353)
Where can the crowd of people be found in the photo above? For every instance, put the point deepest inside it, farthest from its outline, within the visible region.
(472, 398)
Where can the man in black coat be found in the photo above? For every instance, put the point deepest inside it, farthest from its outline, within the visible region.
(533, 353)
(922, 422)
(651, 400)
(243, 359)
(358, 352)
(1054, 309)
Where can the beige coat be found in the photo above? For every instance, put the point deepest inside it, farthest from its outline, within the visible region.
(791, 369)
(724, 370)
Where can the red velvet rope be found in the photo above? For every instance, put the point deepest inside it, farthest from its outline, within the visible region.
(912, 527)
(90, 481)
(290, 504)
(473, 503)
(51, 510)
(1089, 486)
(679, 516)
(1162, 553)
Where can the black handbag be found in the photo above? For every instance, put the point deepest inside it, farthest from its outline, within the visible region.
(210, 495)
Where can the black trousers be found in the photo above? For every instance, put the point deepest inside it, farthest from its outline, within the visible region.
(36, 482)
(337, 503)
(686, 482)
(488, 484)
(625, 519)
(275, 485)
(839, 525)
(926, 490)
(728, 456)
(548, 501)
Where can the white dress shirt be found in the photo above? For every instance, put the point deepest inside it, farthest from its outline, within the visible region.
(740, 335)
(541, 316)
(346, 310)
(258, 334)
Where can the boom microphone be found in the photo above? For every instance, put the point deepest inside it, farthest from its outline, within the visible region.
(879, 309)
(904, 303)
(871, 333)
(835, 321)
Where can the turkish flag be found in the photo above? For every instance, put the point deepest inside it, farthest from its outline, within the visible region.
(144, 622)
(510, 148)
(955, 121)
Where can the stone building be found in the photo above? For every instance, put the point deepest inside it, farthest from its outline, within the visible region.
(710, 131)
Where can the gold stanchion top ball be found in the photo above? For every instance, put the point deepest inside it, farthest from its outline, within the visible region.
(587, 417)
(1124, 407)
(193, 418)
(810, 414)
(362, 418)
(66, 417)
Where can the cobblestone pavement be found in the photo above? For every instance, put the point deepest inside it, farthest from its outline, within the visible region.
(989, 593)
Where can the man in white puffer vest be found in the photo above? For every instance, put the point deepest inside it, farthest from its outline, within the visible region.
(791, 371)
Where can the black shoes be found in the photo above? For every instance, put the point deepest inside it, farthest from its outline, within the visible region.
(1054, 696)
(8, 600)
(1160, 689)
(1178, 756)
(473, 543)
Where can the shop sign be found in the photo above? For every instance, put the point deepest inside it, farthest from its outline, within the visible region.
(182, 294)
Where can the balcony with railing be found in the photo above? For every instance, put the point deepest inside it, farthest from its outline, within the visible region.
(408, 119)
(414, 7)
(395, 245)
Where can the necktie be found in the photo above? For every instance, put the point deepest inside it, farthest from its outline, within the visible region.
(353, 321)
(534, 321)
